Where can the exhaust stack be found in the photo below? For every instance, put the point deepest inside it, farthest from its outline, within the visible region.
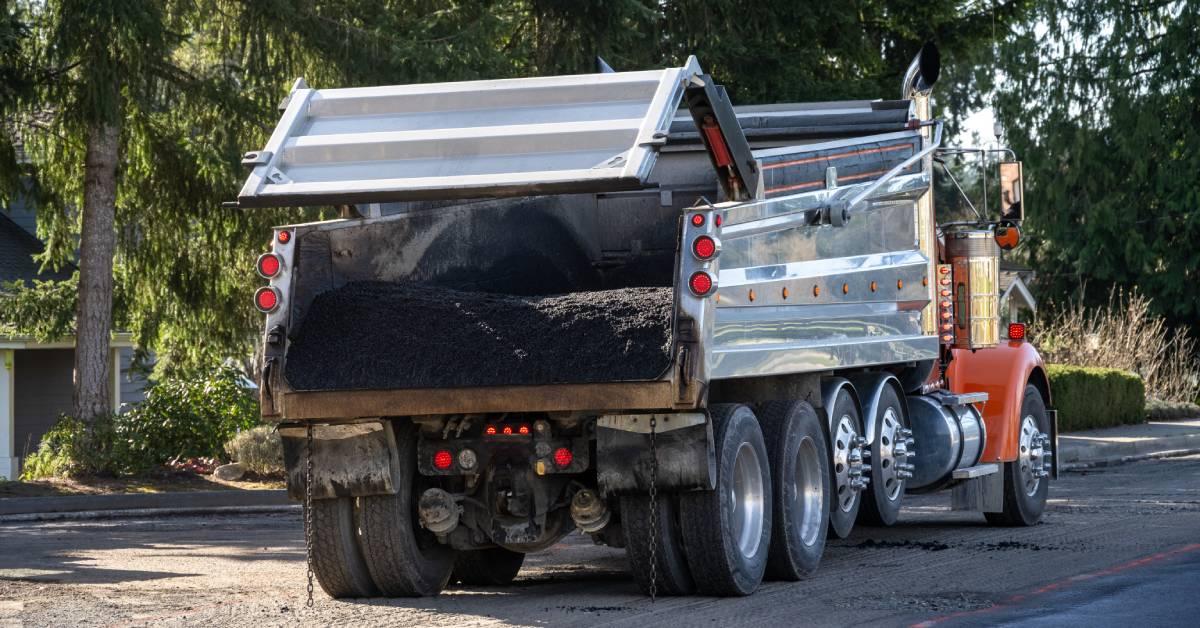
(922, 73)
(917, 85)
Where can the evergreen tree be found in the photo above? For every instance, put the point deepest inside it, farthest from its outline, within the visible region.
(1102, 99)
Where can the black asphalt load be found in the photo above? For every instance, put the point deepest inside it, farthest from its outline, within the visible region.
(380, 335)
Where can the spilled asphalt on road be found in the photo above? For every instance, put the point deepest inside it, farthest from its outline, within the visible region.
(1118, 545)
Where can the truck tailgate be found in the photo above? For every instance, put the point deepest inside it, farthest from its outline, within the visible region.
(385, 335)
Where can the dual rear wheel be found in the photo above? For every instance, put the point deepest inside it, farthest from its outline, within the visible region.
(369, 546)
(768, 514)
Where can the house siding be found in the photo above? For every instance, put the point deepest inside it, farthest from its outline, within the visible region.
(42, 392)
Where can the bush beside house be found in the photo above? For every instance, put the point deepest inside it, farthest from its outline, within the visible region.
(180, 419)
(1091, 397)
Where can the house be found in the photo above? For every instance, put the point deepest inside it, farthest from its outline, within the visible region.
(1017, 304)
(36, 379)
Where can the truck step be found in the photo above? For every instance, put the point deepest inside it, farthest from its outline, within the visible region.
(976, 471)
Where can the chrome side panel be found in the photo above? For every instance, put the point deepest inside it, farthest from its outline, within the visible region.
(798, 294)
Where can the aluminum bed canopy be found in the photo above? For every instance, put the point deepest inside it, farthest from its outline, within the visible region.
(563, 134)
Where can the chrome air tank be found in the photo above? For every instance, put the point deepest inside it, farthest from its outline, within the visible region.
(948, 436)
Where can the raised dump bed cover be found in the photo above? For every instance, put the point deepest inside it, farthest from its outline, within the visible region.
(563, 134)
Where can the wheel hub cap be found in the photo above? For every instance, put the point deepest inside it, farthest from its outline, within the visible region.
(1034, 456)
(849, 470)
(893, 451)
(748, 500)
(806, 491)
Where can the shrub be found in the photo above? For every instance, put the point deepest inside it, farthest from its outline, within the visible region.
(1089, 397)
(186, 418)
(72, 448)
(180, 419)
(259, 450)
(1123, 335)
(1171, 410)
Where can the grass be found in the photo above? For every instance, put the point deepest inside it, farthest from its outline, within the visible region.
(56, 487)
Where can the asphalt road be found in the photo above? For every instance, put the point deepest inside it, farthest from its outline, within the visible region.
(1119, 546)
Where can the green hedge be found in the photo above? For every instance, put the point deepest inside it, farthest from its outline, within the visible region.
(1088, 397)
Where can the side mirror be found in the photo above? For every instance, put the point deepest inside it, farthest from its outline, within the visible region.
(1012, 192)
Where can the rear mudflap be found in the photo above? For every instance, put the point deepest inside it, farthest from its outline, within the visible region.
(683, 447)
(348, 459)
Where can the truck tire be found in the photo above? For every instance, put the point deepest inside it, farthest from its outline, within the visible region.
(727, 532)
(881, 502)
(673, 577)
(337, 561)
(845, 425)
(796, 447)
(491, 567)
(1024, 495)
(404, 560)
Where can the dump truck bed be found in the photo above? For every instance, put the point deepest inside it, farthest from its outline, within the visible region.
(579, 299)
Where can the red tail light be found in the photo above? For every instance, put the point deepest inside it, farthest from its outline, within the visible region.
(1016, 331)
(704, 248)
(523, 430)
(563, 457)
(269, 265)
(266, 299)
(284, 237)
(508, 430)
(697, 220)
(443, 459)
(491, 430)
(701, 283)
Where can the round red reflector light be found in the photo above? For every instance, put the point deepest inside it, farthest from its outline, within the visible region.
(563, 457)
(266, 299)
(268, 265)
(443, 459)
(704, 247)
(491, 430)
(523, 430)
(1016, 331)
(284, 237)
(717, 221)
(697, 220)
(507, 430)
(701, 283)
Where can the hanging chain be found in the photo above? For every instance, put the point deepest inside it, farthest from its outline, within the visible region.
(308, 524)
(654, 524)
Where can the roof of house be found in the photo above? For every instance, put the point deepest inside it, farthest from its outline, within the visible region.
(17, 248)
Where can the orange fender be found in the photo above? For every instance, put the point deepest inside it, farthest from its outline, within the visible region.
(1002, 372)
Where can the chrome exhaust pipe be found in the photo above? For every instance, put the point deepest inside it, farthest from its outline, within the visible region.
(922, 73)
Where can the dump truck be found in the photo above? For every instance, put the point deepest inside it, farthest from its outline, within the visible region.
(617, 305)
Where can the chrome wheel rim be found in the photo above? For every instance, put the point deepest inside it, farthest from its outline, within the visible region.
(845, 436)
(885, 452)
(747, 499)
(806, 493)
(1031, 456)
